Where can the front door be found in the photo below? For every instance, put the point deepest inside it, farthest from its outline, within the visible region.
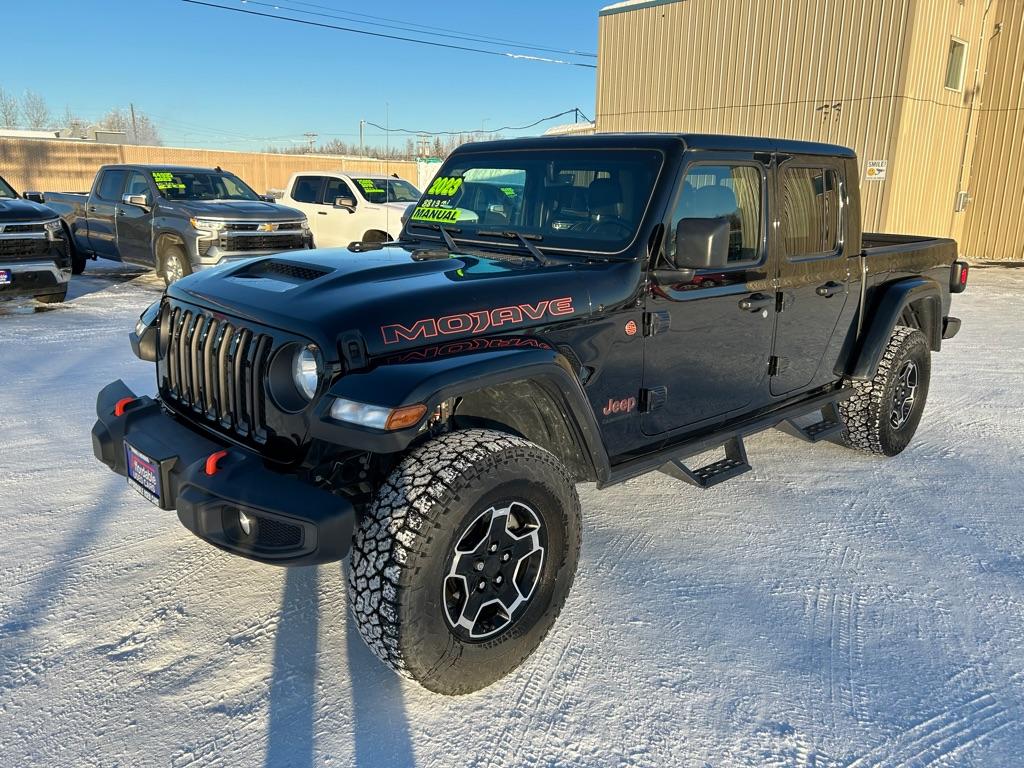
(338, 226)
(813, 272)
(305, 196)
(709, 340)
(135, 224)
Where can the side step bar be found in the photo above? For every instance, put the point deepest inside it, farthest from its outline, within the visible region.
(735, 463)
(671, 459)
(828, 426)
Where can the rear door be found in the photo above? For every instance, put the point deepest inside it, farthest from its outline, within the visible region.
(101, 211)
(708, 340)
(813, 271)
(305, 195)
(135, 224)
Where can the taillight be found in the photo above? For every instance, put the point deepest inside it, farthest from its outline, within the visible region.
(958, 277)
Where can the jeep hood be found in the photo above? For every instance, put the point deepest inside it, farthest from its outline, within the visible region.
(397, 298)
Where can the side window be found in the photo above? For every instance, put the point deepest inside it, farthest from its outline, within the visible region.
(732, 192)
(137, 185)
(307, 189)
(336, 188)
(110, 185)
(809, 213)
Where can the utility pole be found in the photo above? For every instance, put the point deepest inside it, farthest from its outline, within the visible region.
(135, 128)
(311, 138)
(362, 144)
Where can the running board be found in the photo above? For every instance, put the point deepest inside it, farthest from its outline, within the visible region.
(830, 425)
(735, 463)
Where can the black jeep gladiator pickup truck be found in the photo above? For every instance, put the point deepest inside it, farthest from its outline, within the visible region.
(34, 259)
(176, 220)
(558, 310)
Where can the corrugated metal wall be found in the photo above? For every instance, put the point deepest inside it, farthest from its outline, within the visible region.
(69, 166)
(994, 225)
(862, 73)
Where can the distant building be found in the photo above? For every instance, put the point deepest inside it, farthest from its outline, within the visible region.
(930, 94)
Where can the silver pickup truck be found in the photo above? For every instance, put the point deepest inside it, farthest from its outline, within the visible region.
(177, 220)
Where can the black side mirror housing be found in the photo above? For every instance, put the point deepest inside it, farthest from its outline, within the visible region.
(268, 198)
(702, 243)
(35, 197)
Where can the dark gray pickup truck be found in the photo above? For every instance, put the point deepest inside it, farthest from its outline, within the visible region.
(177, 220)
(33, 249)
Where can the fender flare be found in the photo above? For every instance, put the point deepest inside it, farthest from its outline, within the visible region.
(920, 293)
(163, 237)
(432, 382)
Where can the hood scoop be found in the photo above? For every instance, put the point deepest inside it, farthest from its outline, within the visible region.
(279, 276)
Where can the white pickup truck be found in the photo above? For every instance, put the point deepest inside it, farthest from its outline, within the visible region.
(342, 209)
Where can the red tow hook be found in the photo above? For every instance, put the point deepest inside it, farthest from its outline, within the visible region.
(123, 403)
(212, 460)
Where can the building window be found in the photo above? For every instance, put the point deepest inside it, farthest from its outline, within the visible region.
(956, 65)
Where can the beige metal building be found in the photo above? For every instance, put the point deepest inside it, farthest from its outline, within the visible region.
(930, 93)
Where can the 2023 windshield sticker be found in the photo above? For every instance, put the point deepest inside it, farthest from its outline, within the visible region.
(436, 205)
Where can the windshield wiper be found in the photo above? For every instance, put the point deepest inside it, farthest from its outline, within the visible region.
(446, 234)
(524, 239)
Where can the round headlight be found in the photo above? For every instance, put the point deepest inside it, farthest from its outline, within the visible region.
(306, 370)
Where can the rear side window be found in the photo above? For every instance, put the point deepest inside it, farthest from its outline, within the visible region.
(110, 186)
(336, 188)
(732, 192)
(307, 189)
(809, 216)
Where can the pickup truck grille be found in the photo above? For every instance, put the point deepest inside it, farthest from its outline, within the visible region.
(287, 242)
(24, 249)
(215, 367)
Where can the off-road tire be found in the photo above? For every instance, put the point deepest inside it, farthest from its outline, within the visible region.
(866, 415)
(403, 548)
(78, 258)
(53, 298)
(174, 264)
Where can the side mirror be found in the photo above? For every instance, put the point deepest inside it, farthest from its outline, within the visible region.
(139, 201)
(268, 198)
(702, 243)
(35, 197)
(348, 203)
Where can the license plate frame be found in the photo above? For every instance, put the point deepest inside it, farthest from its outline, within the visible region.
(143, 474)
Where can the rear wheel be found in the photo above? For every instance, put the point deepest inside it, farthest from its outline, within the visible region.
(465, 559)
(883, 414)
(175, 264)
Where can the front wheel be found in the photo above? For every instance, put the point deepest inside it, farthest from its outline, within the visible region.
(465, 559)
(54, 298)
(883, 414)
(175, 264)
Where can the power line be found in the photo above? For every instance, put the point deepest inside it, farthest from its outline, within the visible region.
(574, 110)
(450, 46)
(410, 27)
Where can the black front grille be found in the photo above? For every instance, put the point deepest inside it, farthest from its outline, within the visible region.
(265, 242)
(215, 368)
(34, 248)
(9, 228)
(254, 226)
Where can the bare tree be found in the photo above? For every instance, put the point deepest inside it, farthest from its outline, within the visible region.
(144, 130)
(74, 126)
(35, 110)
(9, 110)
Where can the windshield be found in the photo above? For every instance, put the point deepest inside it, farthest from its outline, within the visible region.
(387, 190)
(202, 185)
(6, 190)
(589, 199)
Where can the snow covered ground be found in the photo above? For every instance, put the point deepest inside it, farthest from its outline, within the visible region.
(827, 609)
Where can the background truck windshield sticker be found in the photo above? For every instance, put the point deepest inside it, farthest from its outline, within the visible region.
(166, 180)
(369, 185)
(436, 204)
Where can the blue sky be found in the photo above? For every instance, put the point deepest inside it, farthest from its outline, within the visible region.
(211, 77)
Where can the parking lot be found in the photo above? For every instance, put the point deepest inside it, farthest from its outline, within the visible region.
(828, 608)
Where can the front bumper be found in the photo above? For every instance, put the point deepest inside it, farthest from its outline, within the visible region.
(295, 523)
(34, 278)
(211, 253)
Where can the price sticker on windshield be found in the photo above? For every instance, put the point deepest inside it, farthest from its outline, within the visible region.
(369, 186)
(436, 205)
(165, 180)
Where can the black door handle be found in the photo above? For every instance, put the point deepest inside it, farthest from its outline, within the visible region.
(829, 289)
(92, 209)
(756, 302)
(321, 213)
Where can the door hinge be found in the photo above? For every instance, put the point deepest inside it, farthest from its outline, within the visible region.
(652, 399)
(780, 302)
(773, 366)
(657, 322)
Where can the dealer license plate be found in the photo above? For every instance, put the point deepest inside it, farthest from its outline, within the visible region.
(143, 473)
(6, 277)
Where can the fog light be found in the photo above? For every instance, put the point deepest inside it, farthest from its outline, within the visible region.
(246, 523)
